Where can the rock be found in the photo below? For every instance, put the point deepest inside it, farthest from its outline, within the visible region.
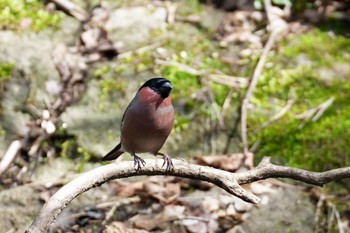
(18, 207)
(261, 188)
(287, 211)
(242, 206)
(210, 204)
(92, 126)
(133, 25)
(53, 170)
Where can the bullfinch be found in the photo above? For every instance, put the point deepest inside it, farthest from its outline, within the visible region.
(146, 123)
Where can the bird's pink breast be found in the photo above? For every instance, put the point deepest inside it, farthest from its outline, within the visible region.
(147, 122)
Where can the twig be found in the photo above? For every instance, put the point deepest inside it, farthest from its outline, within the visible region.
(227, 102)
(274, 118)
(315, 113)
(200, 219)
(180, 66)
(228, 181)
(337, 216)
(236, 82)
(318, 212)
(331, 217)
(323, 108)
(268, 170)
(115, 205)
(278, 26)
(171, 12)
(140, 50)
(227, 80)
(10, 156)
(71, 9)
(278, 115)
(250, 91)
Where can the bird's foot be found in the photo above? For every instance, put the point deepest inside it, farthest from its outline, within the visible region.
(168, 162)
(138, 162)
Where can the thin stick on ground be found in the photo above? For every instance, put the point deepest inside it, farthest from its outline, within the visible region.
(278, 115)
(10, 156)
(277, 26)
(249, 93)
(231, 182)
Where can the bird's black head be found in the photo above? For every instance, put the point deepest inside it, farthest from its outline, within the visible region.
(160, 85)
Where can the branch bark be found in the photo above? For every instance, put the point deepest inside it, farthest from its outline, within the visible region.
(231, 182)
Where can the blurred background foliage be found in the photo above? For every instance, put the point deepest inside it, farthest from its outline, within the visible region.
(308, 68)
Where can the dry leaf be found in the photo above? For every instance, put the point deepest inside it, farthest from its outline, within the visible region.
(127, 189)
(164, 192)
(225, 162)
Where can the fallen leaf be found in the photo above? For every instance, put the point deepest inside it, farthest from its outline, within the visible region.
(195, 226)
(225, 162)
(127, 189)
(164, 192)
(120, 227)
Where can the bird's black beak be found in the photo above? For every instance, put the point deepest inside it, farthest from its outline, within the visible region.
(165, 89)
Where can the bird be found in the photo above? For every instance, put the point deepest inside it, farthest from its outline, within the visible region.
(146, 123)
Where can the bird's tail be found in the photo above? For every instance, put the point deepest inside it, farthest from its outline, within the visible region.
(113, 154)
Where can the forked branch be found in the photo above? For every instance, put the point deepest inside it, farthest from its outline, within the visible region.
(231, 182)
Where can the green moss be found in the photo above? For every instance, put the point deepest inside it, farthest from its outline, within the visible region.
(318, 145)
(5, 71)
(67, 147)
(14, 12)
(5, 74)
(319, 46)
(189, 7)
(108, 85)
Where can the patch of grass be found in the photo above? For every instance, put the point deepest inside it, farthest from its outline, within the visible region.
(15, 12)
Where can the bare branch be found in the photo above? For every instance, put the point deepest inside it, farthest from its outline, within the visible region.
(236, 82)
(278, 115)
(10, 155)
(277, 26)
(71, 9)
(251, 88)
(182, 67)
(140, 50)
(315, 113)
(268, 170)
(230, 81)
(231, 182)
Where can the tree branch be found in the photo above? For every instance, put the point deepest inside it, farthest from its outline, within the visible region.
(268, 170)
(231, 182)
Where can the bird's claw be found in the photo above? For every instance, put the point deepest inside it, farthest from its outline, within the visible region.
(138, 162)
(168, 162)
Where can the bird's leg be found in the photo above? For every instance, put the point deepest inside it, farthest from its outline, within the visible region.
(167, 161)
(138, 161)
